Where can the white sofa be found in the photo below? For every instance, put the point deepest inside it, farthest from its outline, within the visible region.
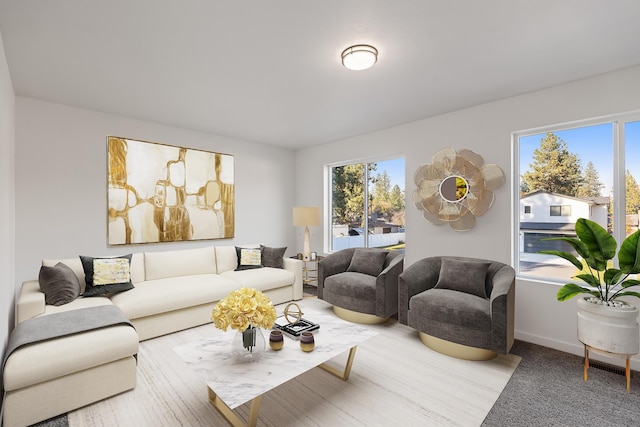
(173, 290)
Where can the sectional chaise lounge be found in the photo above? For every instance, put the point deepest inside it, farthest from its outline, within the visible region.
(169, 291)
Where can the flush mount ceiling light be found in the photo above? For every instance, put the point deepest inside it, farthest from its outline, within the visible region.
(359, 57)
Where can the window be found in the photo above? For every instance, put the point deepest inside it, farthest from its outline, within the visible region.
(584, 170)
(560, 210)
(367, 205)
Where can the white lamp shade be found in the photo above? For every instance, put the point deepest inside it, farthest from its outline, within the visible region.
(306, 216)
(359, 57)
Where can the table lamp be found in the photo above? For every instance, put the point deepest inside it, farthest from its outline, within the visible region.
(305, 216)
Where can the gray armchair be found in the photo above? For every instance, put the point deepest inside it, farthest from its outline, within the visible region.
(463, 307)
(362, 284)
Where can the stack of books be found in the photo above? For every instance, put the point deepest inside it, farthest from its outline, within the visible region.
(293, 330)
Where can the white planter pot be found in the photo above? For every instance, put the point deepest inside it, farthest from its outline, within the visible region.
(612, 329)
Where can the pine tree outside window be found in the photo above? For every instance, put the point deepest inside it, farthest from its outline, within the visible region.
(367, 205)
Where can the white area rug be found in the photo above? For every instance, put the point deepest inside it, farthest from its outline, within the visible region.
(395, 380)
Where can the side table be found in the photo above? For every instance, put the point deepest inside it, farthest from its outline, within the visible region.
(310, 271)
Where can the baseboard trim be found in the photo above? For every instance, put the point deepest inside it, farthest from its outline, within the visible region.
(575, 348)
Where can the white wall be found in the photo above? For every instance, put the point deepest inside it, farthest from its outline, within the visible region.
(61, 183)
(540, 209)
(485, 129)
(7, 199)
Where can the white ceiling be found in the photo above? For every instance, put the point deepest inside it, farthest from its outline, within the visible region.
(270, 72)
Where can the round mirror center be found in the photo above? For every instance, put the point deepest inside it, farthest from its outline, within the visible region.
(454, 188)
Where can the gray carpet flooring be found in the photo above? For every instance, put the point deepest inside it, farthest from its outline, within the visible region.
(547, 389)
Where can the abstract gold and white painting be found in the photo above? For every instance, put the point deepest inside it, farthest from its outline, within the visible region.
(163, 193)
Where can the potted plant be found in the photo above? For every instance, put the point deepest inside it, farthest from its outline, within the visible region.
(604, 322)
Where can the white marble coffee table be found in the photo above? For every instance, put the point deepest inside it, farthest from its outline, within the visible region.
(231, 383)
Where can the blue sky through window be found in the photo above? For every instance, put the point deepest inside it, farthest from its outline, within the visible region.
(395, 169)
(590, 143)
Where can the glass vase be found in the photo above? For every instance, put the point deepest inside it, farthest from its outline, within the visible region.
(248, 345)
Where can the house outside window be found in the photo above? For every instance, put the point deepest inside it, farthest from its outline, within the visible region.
(367, 205)
(566, 172)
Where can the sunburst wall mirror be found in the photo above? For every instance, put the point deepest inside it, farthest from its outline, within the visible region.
(456, 188)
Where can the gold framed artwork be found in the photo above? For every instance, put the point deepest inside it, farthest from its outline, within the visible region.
(163, 193)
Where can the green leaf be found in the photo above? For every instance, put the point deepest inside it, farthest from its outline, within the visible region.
(629, 294)
(629, 283)
(589, 279)
(600, 244)
(629, 254)
(580, 247)
(612, 276)
(569, 257)
(570, 290)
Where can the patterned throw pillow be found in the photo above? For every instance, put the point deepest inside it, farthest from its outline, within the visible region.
(107, 271)
(249, 258)
(104, 276)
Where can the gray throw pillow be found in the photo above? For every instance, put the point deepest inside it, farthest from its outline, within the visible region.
(104, 276)
(368, 261)
(272, 257)
(59, 284)
(463, 276)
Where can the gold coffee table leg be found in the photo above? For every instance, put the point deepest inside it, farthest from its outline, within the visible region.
(228, 413)
(344, 375)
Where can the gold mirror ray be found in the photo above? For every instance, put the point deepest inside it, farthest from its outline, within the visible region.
(444, 153)
(430, 172)
(450, 210)
(429, 185)
(453, 213)
(434, 219)
(483, 204)
(493, 176)
(469, 169)
(471, 157)
(476, 179)
(460, 166)
(419, 175)
(465, 223)
(433, 204)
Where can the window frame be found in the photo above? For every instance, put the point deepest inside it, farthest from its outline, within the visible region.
(618, 122)
(328, 195)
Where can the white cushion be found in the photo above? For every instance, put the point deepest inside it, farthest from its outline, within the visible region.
(78, 303)
(226, 258)
(164, 295)
(34, 364)
(262, 279)
(184, 262)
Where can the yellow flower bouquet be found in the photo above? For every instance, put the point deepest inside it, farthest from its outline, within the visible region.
(242, 309)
